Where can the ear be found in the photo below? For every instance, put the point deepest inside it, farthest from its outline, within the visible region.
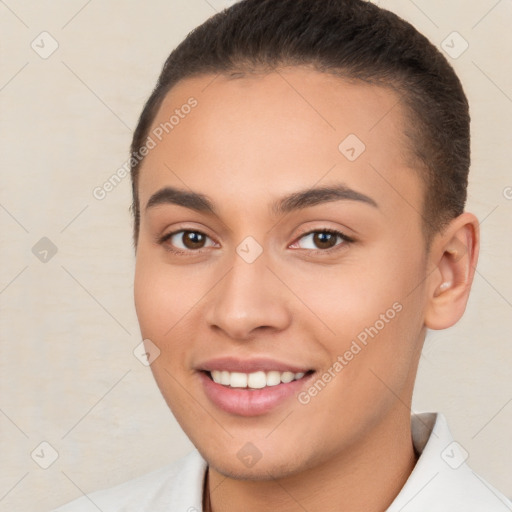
(453, 257)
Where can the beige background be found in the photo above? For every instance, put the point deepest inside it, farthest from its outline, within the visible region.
(68, 374)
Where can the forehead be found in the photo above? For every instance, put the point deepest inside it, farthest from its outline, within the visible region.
(289, 129)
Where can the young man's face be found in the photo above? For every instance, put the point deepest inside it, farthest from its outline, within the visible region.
(256, 288)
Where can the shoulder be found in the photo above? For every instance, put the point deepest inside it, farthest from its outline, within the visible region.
(177, 486)
(442, 480)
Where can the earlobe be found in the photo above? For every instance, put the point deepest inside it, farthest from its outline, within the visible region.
(454, 255)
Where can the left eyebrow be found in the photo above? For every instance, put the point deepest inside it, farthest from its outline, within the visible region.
(314, 196)
(294, 201)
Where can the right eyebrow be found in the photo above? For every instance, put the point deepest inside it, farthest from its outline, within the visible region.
(192, 200)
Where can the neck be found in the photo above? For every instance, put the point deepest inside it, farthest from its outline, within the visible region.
(368, 478)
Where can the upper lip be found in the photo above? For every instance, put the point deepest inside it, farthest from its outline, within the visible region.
(233, 364)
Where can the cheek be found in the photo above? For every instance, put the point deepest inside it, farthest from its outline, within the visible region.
(162, 314)
(163, 295)
(374, 313)
(380, 335)
(350, 297)
(150, 299)
(167, 301)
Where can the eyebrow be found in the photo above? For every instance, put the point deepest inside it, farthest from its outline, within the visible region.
(294, 201)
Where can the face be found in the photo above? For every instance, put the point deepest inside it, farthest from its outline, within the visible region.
(289, 320)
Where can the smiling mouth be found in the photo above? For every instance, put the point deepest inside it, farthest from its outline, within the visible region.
(254, 380)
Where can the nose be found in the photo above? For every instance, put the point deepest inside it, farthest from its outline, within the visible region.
(249, 298)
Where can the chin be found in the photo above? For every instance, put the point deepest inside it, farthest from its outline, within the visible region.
(261, 471)
(272, 464)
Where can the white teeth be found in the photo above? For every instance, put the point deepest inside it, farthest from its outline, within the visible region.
(225, 378)
(255, 380)
(287, 377)
(273, 378)
(238, 380)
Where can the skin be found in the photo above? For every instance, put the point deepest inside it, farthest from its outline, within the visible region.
(248, 142)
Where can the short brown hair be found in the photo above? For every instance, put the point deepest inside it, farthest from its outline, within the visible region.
(349, 38)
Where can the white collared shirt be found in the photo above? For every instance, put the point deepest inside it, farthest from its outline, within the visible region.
(440, 482)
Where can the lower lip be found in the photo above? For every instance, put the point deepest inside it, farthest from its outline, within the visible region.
(250, 402)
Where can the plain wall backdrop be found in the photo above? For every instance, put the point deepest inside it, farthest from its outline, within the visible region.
(68, 374)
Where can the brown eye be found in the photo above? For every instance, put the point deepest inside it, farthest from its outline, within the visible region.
(193, 239)
(186, 241)
(322, 240)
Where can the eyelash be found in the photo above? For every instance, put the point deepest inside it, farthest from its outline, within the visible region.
(346, 241)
